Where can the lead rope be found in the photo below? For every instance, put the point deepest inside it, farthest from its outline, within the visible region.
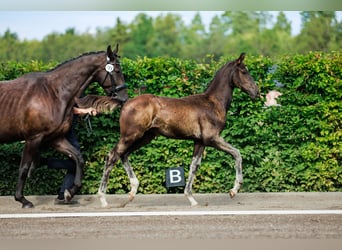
(88, 126)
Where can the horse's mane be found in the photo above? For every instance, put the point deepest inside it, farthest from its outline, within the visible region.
(75, 58)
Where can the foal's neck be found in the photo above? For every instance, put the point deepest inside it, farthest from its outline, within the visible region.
(221, 88)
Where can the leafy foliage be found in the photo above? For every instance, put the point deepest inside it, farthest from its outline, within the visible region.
(293, 147)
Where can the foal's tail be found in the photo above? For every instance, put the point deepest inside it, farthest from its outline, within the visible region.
(102, 104)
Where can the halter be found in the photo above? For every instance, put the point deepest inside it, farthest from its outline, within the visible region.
(109, 69)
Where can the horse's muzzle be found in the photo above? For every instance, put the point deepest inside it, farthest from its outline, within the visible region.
(255, 94)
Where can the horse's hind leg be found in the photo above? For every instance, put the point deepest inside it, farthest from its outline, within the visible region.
(134, 182)
(226, 147)
(195, 163)
(63, 146)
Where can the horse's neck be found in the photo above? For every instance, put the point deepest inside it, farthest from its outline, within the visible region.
(221, 89)
(76, 75)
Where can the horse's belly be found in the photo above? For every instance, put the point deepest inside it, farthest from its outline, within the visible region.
(8, 136)
(179, 129)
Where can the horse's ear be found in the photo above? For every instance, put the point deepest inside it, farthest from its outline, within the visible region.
(241, 58)
(116, 49)
(110, 53)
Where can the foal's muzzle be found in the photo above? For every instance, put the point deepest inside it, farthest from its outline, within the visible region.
(115, 93)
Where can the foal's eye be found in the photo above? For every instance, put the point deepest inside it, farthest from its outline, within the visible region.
(243, 71)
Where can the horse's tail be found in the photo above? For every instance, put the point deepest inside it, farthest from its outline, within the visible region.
(102, 104)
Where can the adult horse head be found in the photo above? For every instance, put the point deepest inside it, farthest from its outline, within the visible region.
(38, 108)
(199, 118)
(112, 79)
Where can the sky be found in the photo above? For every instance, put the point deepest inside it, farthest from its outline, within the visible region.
(37, 24)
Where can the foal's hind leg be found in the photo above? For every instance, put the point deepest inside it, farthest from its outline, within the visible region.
(195, 163)
(134, 182)
(220, 144)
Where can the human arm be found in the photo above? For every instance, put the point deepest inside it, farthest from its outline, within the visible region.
(84, 111)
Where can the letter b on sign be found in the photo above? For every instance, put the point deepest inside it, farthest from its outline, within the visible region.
(175, 177)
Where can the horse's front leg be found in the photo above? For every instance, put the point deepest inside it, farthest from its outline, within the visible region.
(226, 147)
(63, 146)
(23, 173)
(27, 161)
(195, 163)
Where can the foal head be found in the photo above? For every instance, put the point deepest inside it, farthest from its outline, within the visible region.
(111, 78)
(242, 79)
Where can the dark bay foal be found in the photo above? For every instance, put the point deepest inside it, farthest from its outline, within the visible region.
(199, 117)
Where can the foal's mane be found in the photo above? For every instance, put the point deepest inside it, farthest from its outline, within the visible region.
(75, 58)
(219, 73)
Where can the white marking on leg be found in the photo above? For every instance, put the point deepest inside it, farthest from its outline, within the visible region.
(195, 163)
(226, 147)
(102, 197)
(134, 187)
(132, 179)
(192, 200)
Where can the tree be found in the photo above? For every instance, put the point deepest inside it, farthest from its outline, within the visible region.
(282, 24)
(317, 31)
(141, 31)
(217, 38)
(276, 40)
(193, 39)
(62, 47)
(165, 40)
(9, 49)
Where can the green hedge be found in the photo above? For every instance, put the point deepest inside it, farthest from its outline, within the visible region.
(294, 147)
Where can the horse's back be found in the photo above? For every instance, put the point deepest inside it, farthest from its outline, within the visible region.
(171, 117)
(26, 107)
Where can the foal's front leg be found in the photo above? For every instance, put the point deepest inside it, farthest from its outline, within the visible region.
(195, 163)
(226, 147)
(112, 158)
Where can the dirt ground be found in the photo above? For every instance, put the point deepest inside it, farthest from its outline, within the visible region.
(157, 202)
(268, 226)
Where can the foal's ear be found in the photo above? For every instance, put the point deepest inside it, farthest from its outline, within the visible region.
(241, 58)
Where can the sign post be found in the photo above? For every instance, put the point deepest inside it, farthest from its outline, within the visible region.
(175, 177)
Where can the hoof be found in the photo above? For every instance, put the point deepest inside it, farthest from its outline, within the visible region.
(67, 195)
(232, 194)
(130, 196)
(104, 203)
(28, 205)
(194, 204)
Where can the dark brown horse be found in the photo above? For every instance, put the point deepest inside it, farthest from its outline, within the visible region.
(200, 118)
(37, 107)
